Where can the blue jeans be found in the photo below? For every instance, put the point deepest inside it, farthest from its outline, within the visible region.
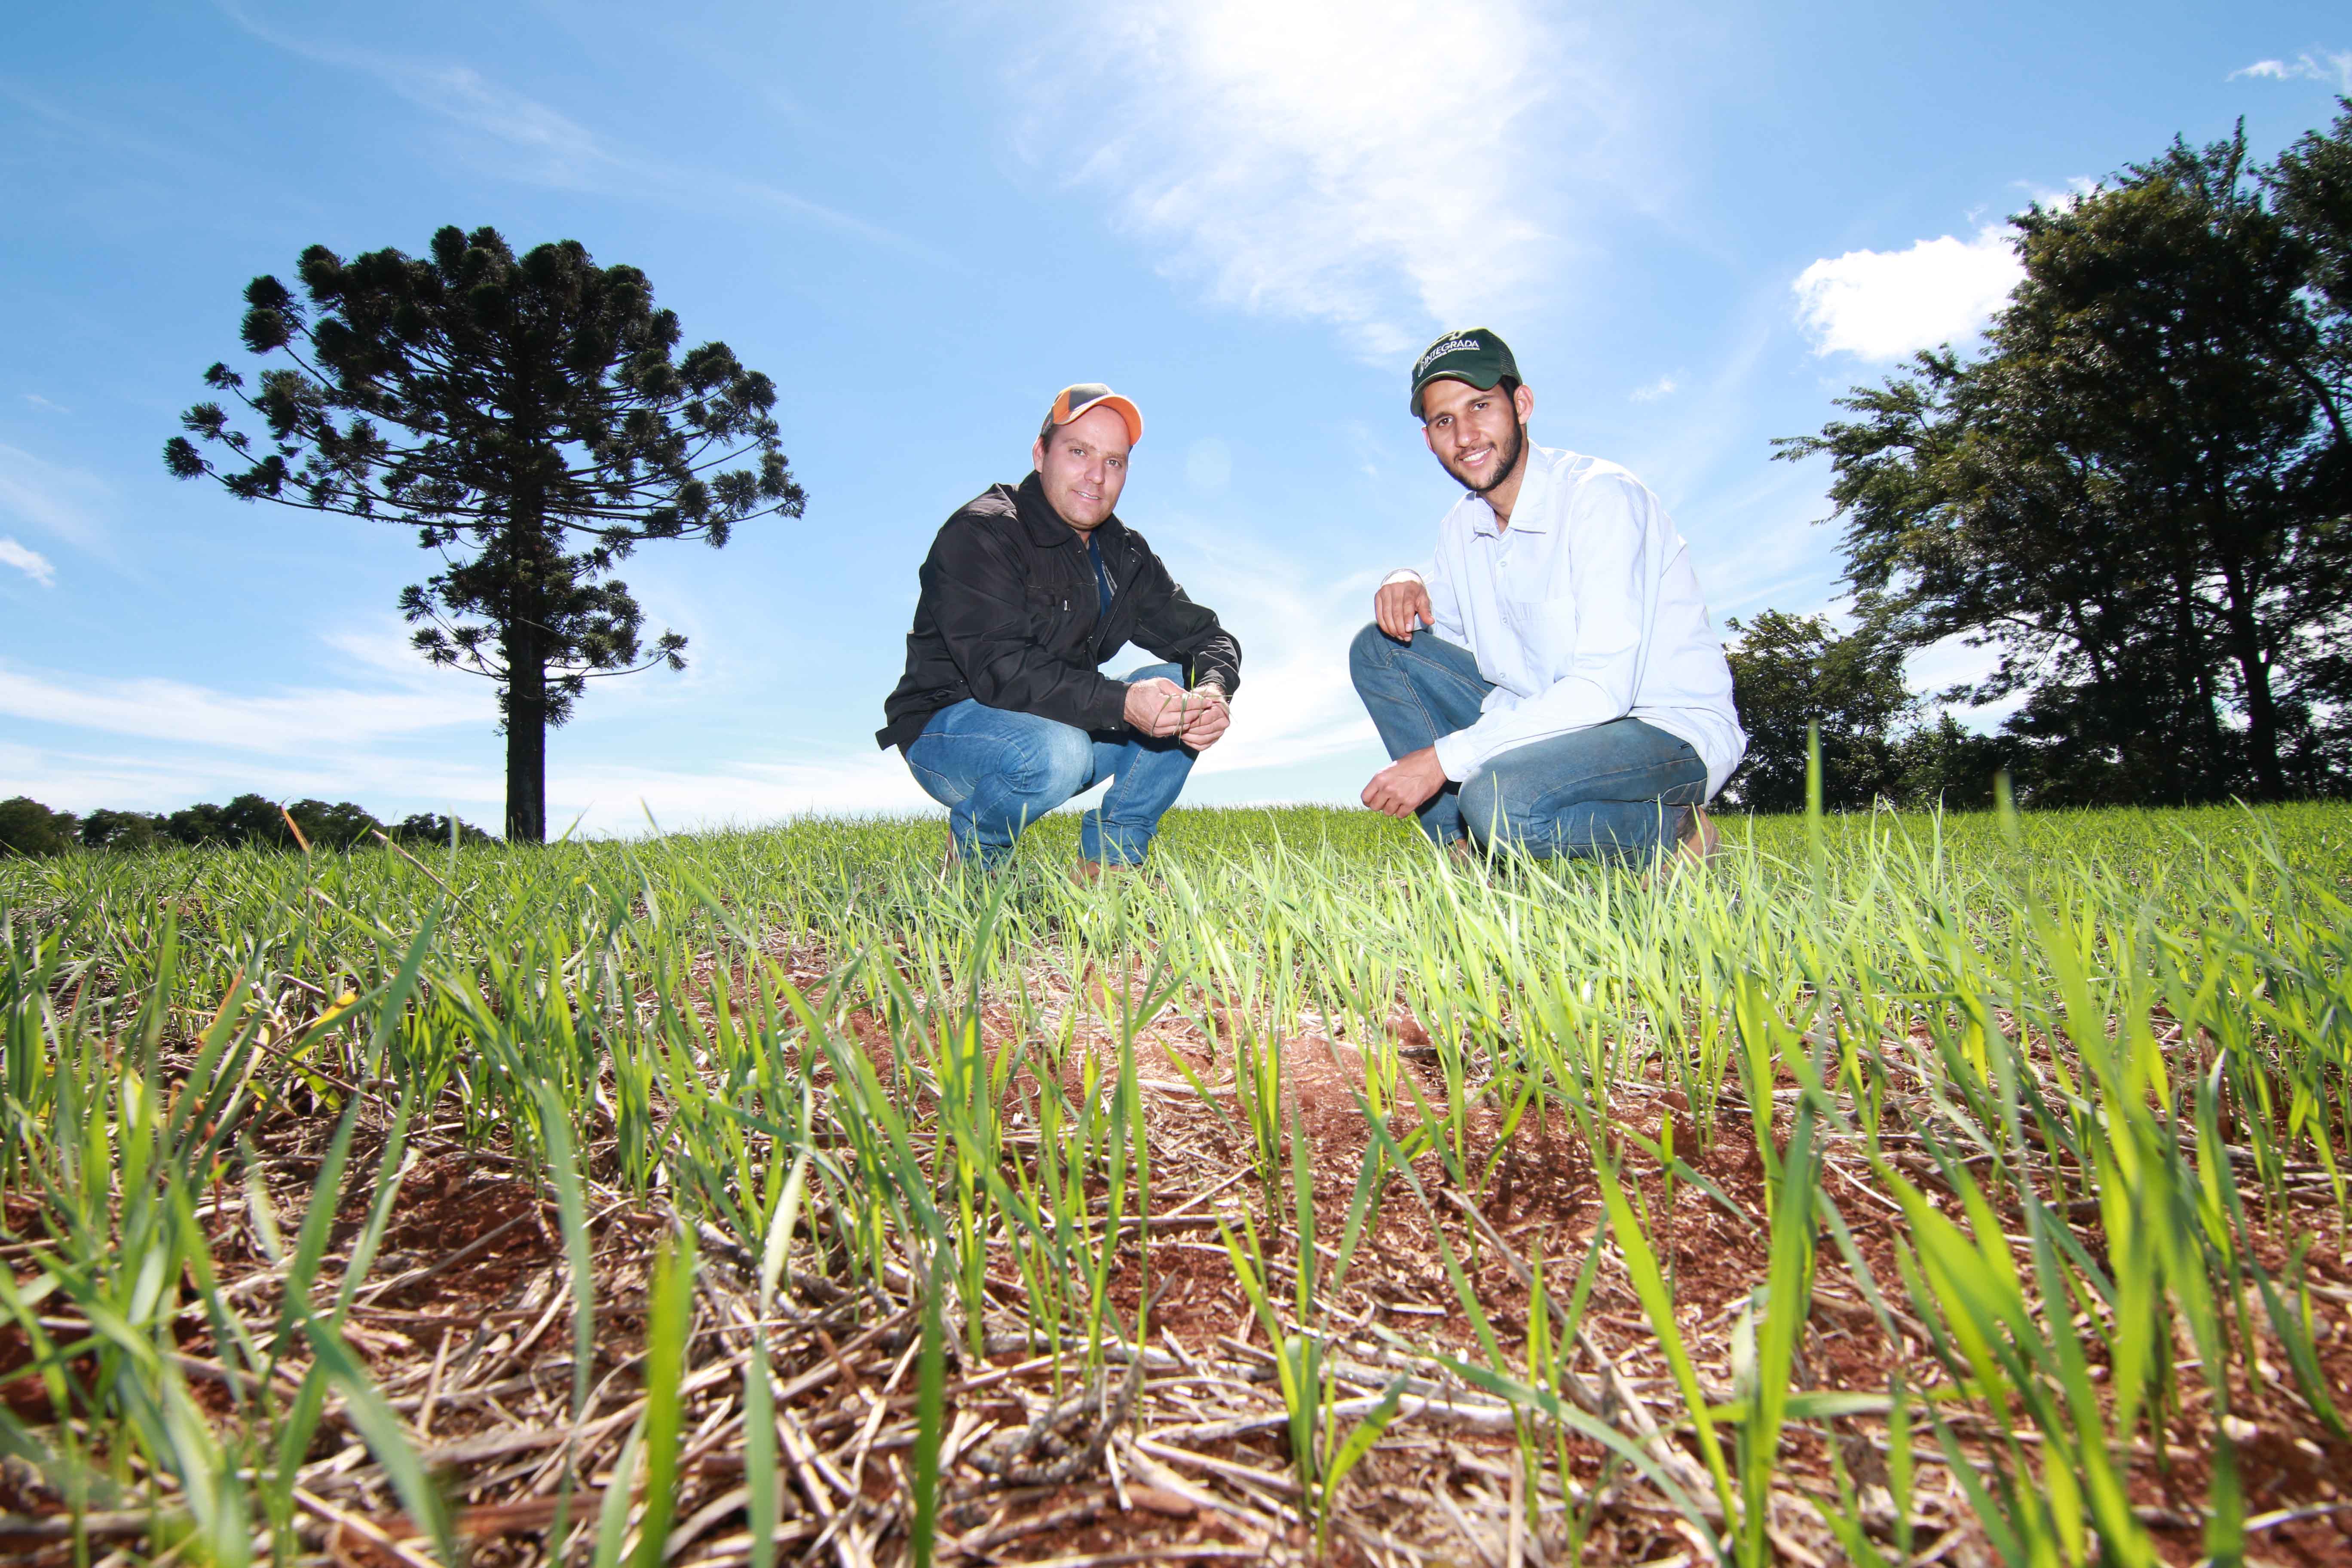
(1615, 792)
(997, 771)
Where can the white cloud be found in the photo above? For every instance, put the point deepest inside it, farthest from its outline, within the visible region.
(2305, 67)
(555, 150)
(31, 562)
(1953, 662)
(165, 778)
(609, 798)
(37, 400)
(1345, 161)
(1664, 386)
(401, 737)
(59, 500)
(1885, 304)
(605, 799)
(543, 144)
(533, 141)
(290, 722)
(2061, 197)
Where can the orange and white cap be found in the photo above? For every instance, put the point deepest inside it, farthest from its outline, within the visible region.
(1073, 401)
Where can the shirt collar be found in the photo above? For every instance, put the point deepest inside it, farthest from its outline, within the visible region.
(1533, 514)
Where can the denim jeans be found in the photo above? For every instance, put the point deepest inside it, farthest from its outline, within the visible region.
(997, 771)
(1614, 792)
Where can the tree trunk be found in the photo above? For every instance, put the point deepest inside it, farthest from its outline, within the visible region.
(2262, 710)
(525, 640)
(526, 735)
(2192, 664)
(2213, 779)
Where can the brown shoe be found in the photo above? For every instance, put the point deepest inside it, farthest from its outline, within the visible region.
(1699, 844)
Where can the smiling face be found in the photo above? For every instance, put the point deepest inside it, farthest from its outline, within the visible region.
(1478, 435)
(1083, 466)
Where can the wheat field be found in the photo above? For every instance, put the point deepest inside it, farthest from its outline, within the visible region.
(1903, 1189)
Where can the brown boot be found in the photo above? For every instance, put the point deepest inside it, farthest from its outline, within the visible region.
(1699, 844)
(1701, 841)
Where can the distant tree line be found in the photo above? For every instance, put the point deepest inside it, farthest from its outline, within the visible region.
(29, 828)
(2137, 498)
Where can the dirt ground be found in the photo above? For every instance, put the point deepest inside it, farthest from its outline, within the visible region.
(1177, 1447)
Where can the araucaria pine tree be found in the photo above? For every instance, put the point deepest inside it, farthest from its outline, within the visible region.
(531, 417)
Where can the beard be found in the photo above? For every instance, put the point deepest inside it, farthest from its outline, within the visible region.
(1503, 470)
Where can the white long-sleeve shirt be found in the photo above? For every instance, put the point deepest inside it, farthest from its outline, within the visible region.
(1585, 609)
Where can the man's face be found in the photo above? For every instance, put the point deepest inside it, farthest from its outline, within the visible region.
(1476, 434)
(1083, 466)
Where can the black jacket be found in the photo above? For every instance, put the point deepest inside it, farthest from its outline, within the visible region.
(1009, 614)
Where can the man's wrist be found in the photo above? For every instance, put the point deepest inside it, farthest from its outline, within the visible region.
(1404, 574)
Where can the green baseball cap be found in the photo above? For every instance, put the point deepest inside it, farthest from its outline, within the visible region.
(1474, 355)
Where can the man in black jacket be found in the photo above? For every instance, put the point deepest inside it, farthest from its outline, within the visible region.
(1004, 712)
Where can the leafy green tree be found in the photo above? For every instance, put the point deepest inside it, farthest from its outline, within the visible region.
(1947, 765)
(531, 418)
(107, 829)
(426, 827)
(2136, 495)
(339, 826)
(2312, 183)
(1791, 672)
(253, 818)
(196, 825)
(247, 818)
(29, 828)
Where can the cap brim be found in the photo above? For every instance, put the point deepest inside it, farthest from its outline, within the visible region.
(1126, 411)
(1069, 405)
(1467, 378)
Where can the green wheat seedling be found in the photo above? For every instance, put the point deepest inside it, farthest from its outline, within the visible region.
(2091, 1073)
(1320, 1453)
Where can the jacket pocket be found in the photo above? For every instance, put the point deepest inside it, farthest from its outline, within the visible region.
(1048, 608)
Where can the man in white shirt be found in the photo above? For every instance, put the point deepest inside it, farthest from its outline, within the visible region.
(1569, 695)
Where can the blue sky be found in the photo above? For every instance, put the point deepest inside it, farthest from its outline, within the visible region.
(1696, 224)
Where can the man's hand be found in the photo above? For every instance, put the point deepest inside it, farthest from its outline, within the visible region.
(1157, 706)
(1401, 788)
(1400, 606)
(1207, 716)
